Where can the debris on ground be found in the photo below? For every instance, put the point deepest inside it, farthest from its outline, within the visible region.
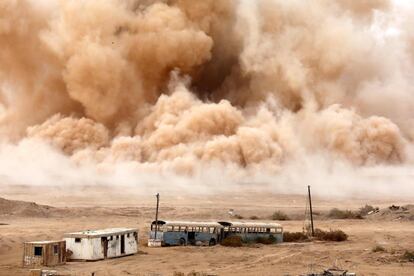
(395, 212)
(42, 272)
(332, 272)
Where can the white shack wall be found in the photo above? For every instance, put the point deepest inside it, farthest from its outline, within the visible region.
(86, 249)
(131, 245)
(92, 249)
(114, 246)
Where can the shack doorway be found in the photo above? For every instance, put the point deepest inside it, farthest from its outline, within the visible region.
(122, 244)
(104, 242)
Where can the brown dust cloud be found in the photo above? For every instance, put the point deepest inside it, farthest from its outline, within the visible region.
(208, 95)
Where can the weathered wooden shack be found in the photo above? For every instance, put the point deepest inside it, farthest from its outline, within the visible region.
(44, 253)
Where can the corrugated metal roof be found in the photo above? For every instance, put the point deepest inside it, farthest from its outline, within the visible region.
(100, 233)
(43, 242)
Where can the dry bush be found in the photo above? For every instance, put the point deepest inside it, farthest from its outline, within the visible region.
(295, 237)
(408, 256)
(192, 273)
(336, 213)
(279, 215)
(254, 218)
(363, 211)
(232, 241)
(238, 217)
(378, 248)
(195, 273)
(266, 240)
(331, 235)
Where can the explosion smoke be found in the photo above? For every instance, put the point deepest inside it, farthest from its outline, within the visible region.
(178, 84)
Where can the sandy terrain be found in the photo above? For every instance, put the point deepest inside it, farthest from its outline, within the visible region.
(91, 208)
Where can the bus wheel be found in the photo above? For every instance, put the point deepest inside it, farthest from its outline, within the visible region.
(182, 241)
(212, 242)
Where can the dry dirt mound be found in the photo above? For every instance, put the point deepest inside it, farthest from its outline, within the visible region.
(394, 212)
(25, 209)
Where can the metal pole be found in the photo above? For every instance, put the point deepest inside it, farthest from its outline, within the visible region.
(156, 215)
(311, 213)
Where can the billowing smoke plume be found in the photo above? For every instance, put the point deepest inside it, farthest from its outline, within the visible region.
(181, 84)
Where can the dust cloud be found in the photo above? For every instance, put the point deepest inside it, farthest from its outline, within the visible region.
(208, 94)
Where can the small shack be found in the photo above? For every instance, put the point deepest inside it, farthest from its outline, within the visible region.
(93, 245)
(44, 253)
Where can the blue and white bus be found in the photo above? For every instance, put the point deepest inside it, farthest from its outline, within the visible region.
(187, 232)
(251, 231)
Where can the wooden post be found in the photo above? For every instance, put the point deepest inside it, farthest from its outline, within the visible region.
(156, 216)
(311, 213)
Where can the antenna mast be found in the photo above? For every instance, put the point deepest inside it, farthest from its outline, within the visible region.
(310, 209)
(156, 216)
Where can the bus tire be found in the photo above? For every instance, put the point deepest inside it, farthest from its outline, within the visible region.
(212, 242)
(182, 242)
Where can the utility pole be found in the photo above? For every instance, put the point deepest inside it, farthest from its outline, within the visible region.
(156, 215)
(311, 212)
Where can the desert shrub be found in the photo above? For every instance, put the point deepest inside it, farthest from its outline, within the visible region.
(331, 235)
(195, 273)
(336, 213)
(363, 211)
(238, 216)
(254, 218)
(279, 215)
(408, 256)
(177, 273)
(378, 248)
(232, 241)
(295, 237)
(266, 240)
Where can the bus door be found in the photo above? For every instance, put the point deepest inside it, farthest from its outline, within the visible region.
(191, 235)
(220, 234)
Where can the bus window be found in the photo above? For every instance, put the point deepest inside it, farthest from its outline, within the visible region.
(212, 230)
(272, 230)
(170, 228)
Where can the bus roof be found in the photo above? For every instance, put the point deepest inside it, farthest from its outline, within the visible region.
(250, 224)
(189, 223)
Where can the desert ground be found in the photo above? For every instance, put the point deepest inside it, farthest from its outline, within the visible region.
(57, 211)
